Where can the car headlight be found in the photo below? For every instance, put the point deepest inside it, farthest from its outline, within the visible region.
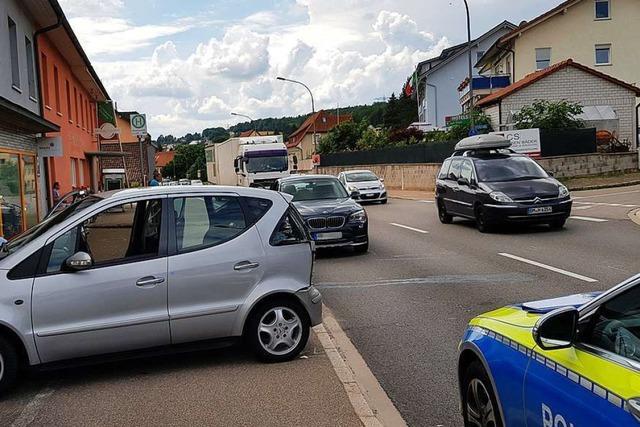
(499, 196)
(563, 191)
(359, 216)
(381, 186)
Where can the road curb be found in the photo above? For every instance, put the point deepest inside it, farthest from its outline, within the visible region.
(604, 186)
(634, 215)
(369, 400)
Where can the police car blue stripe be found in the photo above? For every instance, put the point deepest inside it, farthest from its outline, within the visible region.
(596, 389)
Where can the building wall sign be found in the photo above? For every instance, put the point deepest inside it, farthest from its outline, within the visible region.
(524, 141)
(50, 147)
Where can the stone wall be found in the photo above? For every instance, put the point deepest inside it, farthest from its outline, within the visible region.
(396, 176)
(590, 164)
(422, 176)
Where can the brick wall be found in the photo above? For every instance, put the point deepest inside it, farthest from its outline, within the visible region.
(576, 85)
(396, 176)
(11, 140)
(590, 164)
(132, 160)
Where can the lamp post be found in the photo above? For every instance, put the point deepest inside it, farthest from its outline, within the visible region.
(466, 5)
(242, 115)
(313, 108)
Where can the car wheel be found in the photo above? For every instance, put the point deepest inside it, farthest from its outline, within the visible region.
(362, 249)
(558, 224)
(479, 403)
(8, 365)
(278, 330)
(444, 217)
(481, 221)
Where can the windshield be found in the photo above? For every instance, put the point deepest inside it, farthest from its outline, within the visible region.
(505, 168)
(55, 219)
(361, 177)
(267, 164)
(315, 189)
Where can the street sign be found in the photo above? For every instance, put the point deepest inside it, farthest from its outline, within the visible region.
(523, 141)
(139, 124)
(50, 147)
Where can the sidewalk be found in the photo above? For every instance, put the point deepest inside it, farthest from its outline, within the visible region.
(411, 195)
(214, 388)
(606, 181)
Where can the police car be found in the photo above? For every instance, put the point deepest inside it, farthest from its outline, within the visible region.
(565, 362)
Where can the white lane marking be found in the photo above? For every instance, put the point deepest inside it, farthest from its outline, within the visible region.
(426, 201)
(30, 411)
(548, 267)
(581, 208)
(587, 218)
(607, 195)
(417, 230)
(614, 205)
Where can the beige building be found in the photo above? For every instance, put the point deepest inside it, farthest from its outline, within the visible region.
(597, 33)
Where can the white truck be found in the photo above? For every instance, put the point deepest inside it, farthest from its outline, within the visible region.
(249, 162)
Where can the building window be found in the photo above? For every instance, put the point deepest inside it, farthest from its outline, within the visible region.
(603, 54)
(31, 70)
(75, 102)
(74, 173)
(56, 89)
(13, 45)
(68, 90)
(603, 10)
(45, 79)
(543, 57)
(81, 173)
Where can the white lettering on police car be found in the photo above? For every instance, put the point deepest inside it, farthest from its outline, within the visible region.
(548, 420)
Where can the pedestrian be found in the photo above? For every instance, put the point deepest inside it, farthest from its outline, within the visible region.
(56, 193)
(156, 180)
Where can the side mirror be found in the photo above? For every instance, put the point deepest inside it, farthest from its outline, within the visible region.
(79, 261)
(463, 181)
(236, 165)
(557, 329)
(381, 179)
(549, 173)
(355, 194)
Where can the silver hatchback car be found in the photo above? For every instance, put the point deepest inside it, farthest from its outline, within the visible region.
(138, 269)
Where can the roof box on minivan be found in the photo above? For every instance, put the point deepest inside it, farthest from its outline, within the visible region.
(483, 142)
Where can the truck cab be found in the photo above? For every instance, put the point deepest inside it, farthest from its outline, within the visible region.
(260, 164)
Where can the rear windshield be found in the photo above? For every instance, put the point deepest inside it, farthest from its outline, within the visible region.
(361, 177)
(506, 168)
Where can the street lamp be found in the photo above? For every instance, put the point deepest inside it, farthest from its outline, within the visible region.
(242, 115)
(466, 5)
(313, 108)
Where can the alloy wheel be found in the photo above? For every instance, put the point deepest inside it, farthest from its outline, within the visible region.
(279, 330)
(480, 410)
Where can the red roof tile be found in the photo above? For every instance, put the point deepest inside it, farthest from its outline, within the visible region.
(163, 158)
(538, 75)
(324, 122)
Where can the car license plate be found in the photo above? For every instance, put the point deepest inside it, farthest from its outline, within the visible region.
(328, 236)
(540, 210)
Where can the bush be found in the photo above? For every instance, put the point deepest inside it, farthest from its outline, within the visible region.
(406, 136)
(373, 139)
(545, 114)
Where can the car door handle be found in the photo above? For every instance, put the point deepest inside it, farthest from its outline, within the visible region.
(149, 281)
(634, 407)
(246, 265)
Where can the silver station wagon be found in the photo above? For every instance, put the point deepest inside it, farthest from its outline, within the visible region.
(156, 267)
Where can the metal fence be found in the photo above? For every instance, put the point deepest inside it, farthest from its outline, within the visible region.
(434, 152)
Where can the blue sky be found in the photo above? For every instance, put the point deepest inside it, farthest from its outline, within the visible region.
(189, 63)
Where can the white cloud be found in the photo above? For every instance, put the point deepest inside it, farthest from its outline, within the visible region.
(92, 7)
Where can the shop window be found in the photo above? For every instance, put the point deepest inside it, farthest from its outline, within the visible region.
(11, 223)
(29, 191)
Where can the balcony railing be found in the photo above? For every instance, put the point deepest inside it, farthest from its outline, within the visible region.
(487, 84)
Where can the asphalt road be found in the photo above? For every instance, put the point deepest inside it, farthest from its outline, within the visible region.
(406, 303)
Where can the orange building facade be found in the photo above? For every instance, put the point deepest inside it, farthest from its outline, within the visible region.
(70, 91)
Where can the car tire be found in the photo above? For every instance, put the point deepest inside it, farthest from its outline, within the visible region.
(481, 221)
(278, 330)
(443, 216)
(9, 365)
(479, 403)
(558, 224)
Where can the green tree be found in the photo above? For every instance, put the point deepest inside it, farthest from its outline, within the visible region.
(545, 114)
(343, 137)
(373, 139)
(215, 135)
(188, 160)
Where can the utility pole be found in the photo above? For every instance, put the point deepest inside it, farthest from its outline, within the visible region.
(313, 109)
(471, 106)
